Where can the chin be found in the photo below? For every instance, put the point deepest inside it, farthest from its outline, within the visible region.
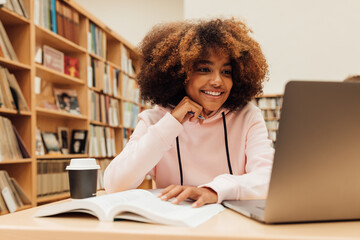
(212, 109)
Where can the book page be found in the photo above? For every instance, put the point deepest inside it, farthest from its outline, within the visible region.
(110, 201)
(164, 212)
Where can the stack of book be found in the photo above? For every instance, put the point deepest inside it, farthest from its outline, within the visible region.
(57, 17)
(11, 96)
(102, 141)
(18, 7)
(111, 81)
(103, 163)
(130, 112)
(12, 196)
(126, 135)
(126, 62)
(52, 178)
(11, 145)
(95, 73)
(130, 90)
(270, 106)
(104, 109)
(96, 41)
(6, 48)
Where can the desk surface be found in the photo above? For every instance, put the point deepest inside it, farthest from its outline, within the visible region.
(226, 225)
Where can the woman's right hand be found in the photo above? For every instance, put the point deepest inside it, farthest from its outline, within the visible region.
(187, 109)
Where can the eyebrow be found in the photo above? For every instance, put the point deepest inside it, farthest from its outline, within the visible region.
(210, 63)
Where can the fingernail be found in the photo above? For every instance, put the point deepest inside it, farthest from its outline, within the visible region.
(194, 205)
(174, 201)
(164, 197)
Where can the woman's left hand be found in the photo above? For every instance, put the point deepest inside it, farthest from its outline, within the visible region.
(201, 195)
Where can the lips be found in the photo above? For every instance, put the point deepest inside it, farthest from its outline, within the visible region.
(212, 93)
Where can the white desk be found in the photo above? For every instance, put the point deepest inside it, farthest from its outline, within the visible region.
(226, 225)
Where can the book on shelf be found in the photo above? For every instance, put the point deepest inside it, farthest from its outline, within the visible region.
(110, 142)
(12, 194)
(38, 55)
(71, 66)
(7, 198)
(3, 207)
(96, 70)
(97, 143)
(111, 81)
(137, 205)
(269, 102)
(130, 112)
(6, 46)
(126, 62)
(25, 200)
(17, 6)
(103, 163)
(63, 133)
(103, 108)
(126, 135)
(53, 23)
(52, 177)
(66, 100)
(57, 17)
(270, 106)
(102, 141)
(78, 143)
(96, 40)
(51, 142)
(23, 149)
(13, 93)
(5, 92)
(114, 112)
(53, 59)
(130, 90)
(9, 145)
(39, 145)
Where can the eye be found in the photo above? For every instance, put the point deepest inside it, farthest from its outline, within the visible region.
(203, 69)
(227, 72)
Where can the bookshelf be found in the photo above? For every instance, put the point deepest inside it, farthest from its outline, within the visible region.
(270, 105)
(118, 63)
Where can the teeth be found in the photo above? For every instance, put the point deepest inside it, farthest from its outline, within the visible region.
(212, 93)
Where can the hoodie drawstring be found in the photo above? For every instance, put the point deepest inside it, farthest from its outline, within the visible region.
(226, 146)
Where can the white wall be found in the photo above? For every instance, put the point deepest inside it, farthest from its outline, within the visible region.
(132, 19)
(302, 39)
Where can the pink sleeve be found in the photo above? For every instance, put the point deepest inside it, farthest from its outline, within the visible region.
(140, 155)
(259, 156)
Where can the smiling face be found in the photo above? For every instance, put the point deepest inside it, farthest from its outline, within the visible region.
(210, 81)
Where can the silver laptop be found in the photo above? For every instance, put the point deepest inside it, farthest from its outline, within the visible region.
(316, 169)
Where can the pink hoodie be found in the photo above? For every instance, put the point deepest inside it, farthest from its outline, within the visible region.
(152, 150)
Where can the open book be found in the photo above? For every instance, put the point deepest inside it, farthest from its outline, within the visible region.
(137, 205)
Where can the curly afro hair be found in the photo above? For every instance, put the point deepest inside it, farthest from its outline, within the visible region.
(169, 51)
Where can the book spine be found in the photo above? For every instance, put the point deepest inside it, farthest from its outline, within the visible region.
(53, 16)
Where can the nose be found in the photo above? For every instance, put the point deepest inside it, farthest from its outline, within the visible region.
(216, 79)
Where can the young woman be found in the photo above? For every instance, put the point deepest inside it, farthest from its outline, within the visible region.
(204, 140)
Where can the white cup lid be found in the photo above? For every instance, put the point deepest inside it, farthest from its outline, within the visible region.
(82, 164)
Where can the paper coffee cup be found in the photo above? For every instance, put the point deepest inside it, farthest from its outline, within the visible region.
(83, 177)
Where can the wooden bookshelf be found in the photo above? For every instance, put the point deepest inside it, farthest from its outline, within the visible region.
(27, 70)
(53, 198)
(270, 105)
